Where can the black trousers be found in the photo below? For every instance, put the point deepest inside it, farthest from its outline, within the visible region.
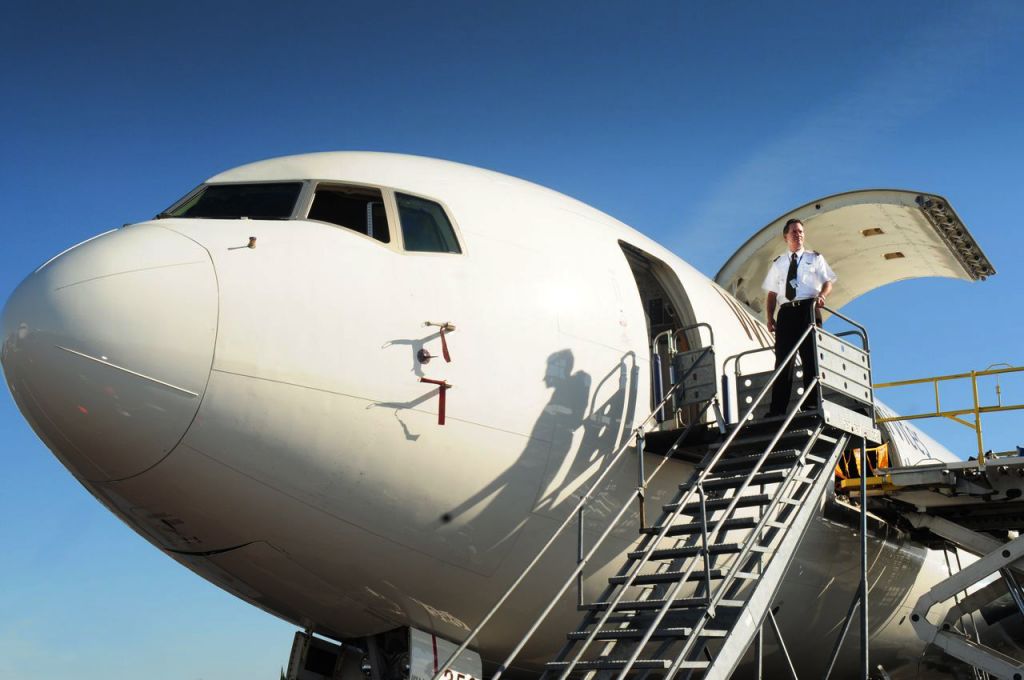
(792, 321)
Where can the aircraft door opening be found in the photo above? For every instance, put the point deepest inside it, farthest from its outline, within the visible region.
(670, 320)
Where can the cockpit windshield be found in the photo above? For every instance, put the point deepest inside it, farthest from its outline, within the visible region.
(260, 201)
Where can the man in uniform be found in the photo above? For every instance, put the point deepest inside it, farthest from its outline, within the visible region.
(797, 284)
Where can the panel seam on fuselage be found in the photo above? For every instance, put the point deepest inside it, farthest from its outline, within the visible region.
(322, 511)
(213, 355)
(367, 400)
(131, 271)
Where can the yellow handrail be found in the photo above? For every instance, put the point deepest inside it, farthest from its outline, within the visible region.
(955, 414)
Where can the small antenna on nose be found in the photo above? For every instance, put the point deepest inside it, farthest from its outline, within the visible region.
(251, 245)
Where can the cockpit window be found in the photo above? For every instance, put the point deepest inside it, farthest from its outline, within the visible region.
(360, 209)
(425, 227)
(262, 201)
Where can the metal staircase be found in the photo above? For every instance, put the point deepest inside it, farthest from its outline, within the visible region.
(693, 594)
(703, 577)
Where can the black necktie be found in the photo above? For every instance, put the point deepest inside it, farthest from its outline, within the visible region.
(791, 279)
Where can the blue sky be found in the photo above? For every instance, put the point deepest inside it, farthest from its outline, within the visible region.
(695, 122)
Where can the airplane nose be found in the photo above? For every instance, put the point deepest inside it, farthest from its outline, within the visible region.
(107, 348)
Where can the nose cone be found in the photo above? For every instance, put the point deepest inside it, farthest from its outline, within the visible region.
(107, 348)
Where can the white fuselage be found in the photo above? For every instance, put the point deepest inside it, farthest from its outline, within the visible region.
(258, 412)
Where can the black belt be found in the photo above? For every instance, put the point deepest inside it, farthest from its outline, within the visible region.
(797, 303)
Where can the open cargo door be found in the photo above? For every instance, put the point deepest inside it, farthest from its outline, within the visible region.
(870, 238)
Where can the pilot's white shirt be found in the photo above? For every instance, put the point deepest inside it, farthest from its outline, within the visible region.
(812, 271)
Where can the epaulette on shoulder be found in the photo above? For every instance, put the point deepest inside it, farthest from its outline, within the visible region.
(814, 252)
(776, 259)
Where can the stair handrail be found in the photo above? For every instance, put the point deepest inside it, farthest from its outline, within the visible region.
(615, 458)
(863, 331)
(736, 357)
(736, 376)
(863, 338)
(696, 327)
(656, 379)
(638, 566)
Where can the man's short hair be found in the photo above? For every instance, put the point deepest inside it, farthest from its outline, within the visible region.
(790, 223)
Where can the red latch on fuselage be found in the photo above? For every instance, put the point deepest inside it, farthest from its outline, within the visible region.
(424, 357)
(444, 387)
(446, 327)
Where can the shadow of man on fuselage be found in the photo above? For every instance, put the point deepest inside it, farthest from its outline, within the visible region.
(505, 503)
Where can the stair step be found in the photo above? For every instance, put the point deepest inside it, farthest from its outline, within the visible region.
(720, 504)
(637, 633)
(688, 551)
(758, 440)
(781, 457)
(619, 664)
(766, 424)
(734, 481)
(648, 605)
(677, 618)
(810, 409)
(695, 527)
(659, 442)
(633, 618)
(665, 577)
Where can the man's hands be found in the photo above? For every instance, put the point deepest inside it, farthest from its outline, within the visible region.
(825, 290)
(769, 308)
